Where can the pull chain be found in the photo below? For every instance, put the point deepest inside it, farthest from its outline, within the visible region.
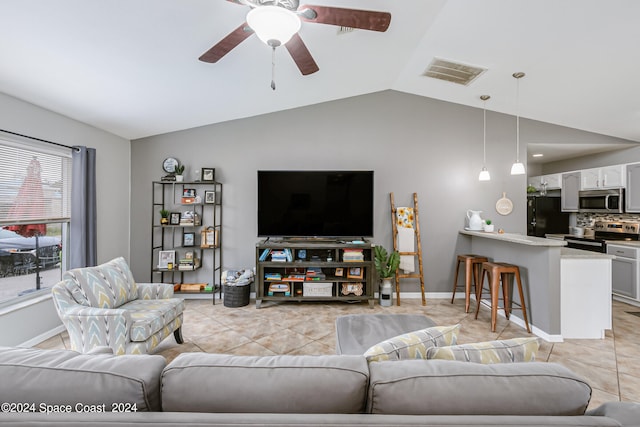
(273, 68)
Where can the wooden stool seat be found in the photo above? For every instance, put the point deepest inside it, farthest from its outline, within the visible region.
(497, 273)
(472, 264)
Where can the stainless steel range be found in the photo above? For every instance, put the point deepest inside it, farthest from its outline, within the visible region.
(605, 231)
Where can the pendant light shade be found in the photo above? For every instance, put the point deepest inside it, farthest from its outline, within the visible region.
(274, 25)
(518, 167)
(484, 173)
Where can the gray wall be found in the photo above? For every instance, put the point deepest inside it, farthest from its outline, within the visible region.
(414, 144)
(113, 184)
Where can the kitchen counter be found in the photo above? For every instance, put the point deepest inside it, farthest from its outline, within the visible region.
(632, 243)
(516, 238)
(579, 253)
(567, 291)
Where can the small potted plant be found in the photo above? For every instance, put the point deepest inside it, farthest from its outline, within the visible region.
(178, 171)
(164, 217)
(386, 265)
(488, 226)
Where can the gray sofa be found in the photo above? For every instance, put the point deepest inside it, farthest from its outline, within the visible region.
(62, 388)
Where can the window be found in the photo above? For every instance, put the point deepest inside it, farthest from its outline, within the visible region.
(35, 206)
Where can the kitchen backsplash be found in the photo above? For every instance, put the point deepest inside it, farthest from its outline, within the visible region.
(587, 219)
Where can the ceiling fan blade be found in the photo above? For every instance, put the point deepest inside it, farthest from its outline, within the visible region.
(225, 45)
(353, 18)
(301, 55)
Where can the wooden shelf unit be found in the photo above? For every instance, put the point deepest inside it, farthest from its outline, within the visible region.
(308, 254)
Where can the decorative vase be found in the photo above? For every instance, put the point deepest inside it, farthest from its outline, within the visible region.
(164, 221)
(179, 178)
(386, 292)
(488, 228)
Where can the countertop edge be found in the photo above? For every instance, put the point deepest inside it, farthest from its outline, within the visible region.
(516, 238)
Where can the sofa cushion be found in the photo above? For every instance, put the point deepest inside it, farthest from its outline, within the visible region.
(355, 333)
(63, 377)
(108, 285)
(443, 387)
(501, 351)
(200, 382)
(412, 345)
(150, 316)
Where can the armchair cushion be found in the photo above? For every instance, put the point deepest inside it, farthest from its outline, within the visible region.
(108, 285)
(149, 316)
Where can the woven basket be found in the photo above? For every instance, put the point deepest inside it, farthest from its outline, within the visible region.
(236, 296)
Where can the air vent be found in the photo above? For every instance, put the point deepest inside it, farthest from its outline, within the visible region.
(454, 72)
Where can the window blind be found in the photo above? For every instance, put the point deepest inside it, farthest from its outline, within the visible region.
(35, 183)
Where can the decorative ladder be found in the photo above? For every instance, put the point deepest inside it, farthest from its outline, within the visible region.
(418, 253)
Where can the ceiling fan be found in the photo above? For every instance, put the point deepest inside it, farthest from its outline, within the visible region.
(277, 22)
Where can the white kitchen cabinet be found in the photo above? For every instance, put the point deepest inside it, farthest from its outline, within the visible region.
(569, 193)
(605, 177)
(632, 192)
(590, 179)
(553, 181)
(612, 176)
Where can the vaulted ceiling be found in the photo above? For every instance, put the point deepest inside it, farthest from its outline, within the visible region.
(132, 68)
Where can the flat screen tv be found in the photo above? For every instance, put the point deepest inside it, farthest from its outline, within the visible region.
(329, 204)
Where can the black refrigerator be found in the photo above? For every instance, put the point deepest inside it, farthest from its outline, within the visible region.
(544, 216)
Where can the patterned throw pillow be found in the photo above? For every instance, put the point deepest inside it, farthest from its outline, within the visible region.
(412, 345)
(503, 351)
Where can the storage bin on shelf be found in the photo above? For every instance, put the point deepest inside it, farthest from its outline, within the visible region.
(317, 289)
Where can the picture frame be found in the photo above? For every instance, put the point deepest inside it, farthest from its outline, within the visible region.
(355, 273)
(209, 197)
(209, 238)
(188, 239)
(339, 272)
(165, 258)
(174, 218)
(208, 174)
(188, 192)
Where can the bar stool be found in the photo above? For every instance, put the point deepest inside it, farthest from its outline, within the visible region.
(472, 264)
(498, 272)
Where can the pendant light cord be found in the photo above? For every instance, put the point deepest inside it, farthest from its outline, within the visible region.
(484, 133)
(273, 68)
(518, 120)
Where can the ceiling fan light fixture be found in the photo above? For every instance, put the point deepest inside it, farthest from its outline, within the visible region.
(274, 25)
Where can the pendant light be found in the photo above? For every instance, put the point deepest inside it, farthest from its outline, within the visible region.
(484, 173)
(518, 167)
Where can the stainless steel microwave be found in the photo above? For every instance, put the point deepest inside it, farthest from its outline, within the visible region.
(604, 201)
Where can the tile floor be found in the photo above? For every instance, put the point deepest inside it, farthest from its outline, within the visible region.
(611, 366)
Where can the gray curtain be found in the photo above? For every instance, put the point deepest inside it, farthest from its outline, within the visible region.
(82, 233)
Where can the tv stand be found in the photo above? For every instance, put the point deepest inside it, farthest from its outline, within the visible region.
(311, 269)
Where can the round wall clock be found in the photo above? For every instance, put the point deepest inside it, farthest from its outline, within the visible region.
(169, 164)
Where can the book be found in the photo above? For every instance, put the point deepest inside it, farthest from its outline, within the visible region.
(265, 253)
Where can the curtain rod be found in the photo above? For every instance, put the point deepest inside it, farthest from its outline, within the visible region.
(38, 139)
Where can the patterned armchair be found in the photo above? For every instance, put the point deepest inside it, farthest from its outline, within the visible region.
(104, 306)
